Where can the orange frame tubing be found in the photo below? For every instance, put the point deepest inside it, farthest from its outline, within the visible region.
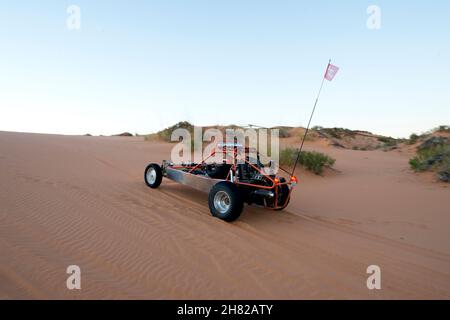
(233, 168)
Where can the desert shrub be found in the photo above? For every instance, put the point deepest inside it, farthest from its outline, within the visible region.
(387, 141)
(433, 143)
(442, 129)
(287, 157)
(413, 138)
(338, 133)
(284, 132)
(167, 133)
(433, 155)
(124, 134)
(151, 137)
(418, 164)
(311, 136)
(316, 161)
(444, 172)
(427, 158)
(310, 160)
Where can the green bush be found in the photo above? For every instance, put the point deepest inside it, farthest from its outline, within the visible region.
(418, 164)
(166, 134)
(388, 141)
(287, 157)
(443, 129)
(338, 133)
(310, 160)
(413, 138)
(444, 172)
(433, 155)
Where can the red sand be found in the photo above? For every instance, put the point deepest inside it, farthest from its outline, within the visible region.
(81, 200)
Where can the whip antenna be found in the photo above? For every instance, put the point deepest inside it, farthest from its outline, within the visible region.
(329, 75)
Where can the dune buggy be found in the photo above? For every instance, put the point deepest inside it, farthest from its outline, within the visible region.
(236, 180)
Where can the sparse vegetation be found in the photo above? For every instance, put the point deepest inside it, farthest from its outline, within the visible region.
(337, 133)
(442, 129)
(124, 134)
(413, 138)
(433, 155)
(284, 132)
(387, 141)
(311, 136)
(167, 133)
(150, 137)
(310, 160)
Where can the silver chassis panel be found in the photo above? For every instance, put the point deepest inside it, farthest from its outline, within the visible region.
(198, 182)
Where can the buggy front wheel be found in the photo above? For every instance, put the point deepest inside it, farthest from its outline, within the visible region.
(153, 175)
(283, 194)
(225, 201)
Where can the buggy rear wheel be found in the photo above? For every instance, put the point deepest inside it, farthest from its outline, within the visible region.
(225, 201)
(153, 175)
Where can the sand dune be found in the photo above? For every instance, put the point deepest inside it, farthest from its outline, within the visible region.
(81, 200)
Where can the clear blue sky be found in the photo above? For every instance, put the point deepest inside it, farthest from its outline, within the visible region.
(139, 66)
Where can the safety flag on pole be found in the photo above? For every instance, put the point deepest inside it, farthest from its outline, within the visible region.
(329, 75)
(331, 72)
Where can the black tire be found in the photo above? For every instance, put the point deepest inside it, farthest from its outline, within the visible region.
(153, 181)
(227, 211)
(283, 193)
